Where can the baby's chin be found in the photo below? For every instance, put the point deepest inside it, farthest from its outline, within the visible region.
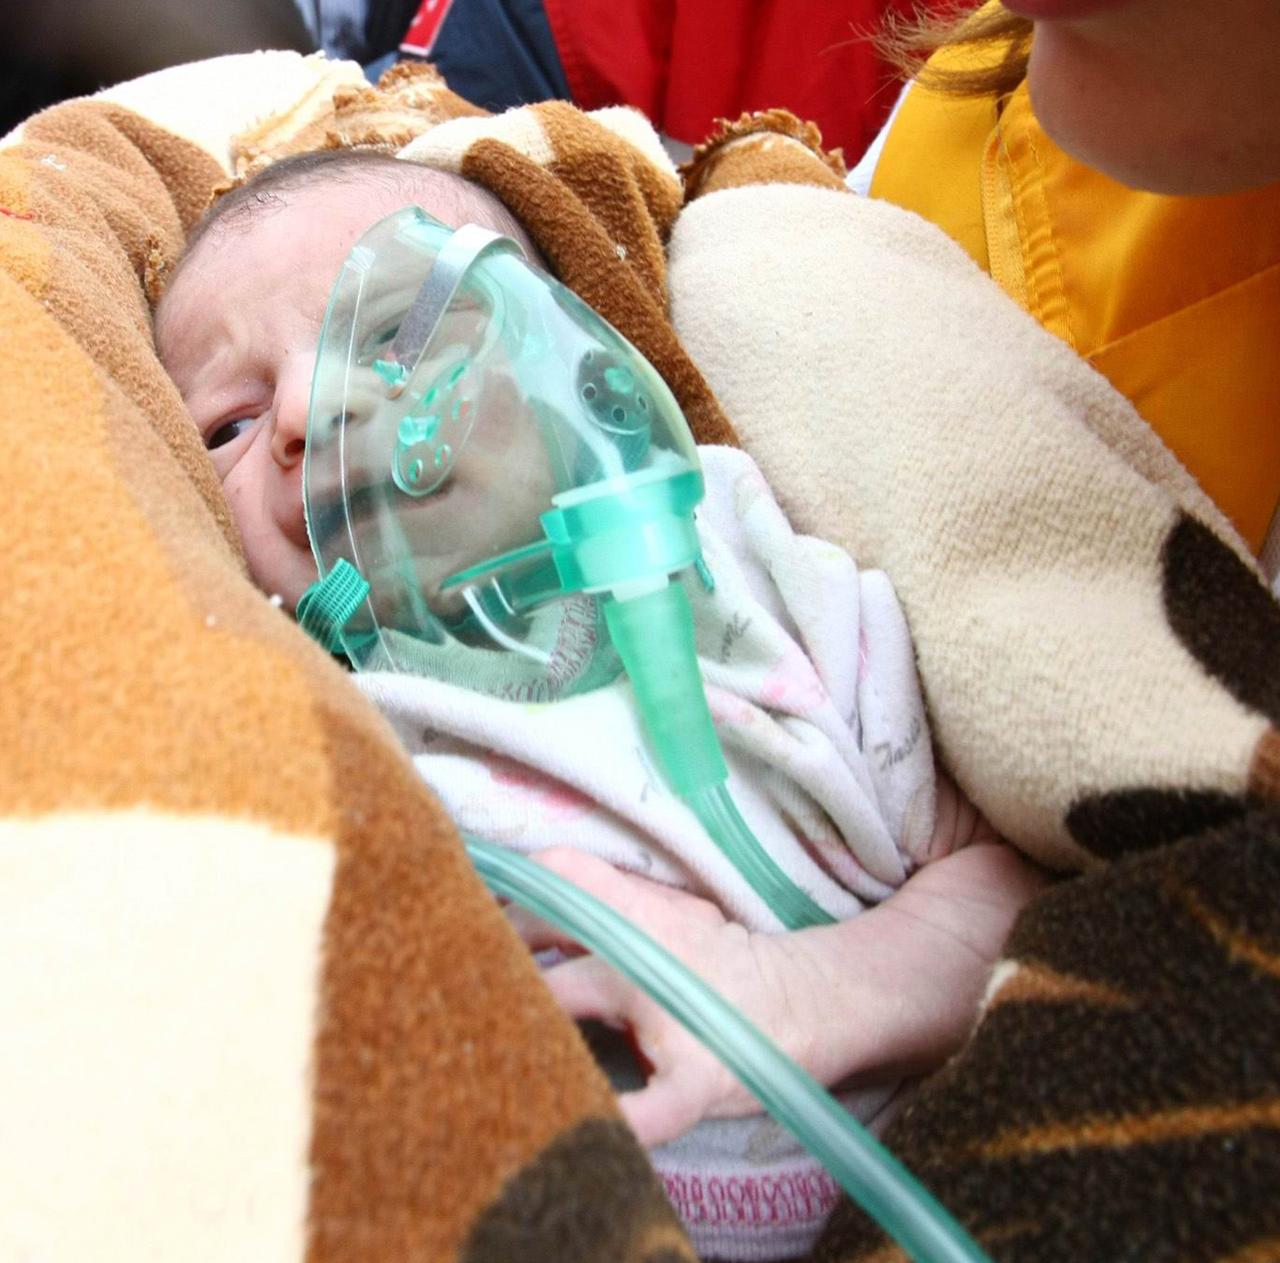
(284, 585)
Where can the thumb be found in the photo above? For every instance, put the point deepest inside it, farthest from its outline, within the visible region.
(672, 1102)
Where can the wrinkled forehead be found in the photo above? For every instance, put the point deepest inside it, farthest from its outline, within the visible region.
(355, 198)
(266, 250)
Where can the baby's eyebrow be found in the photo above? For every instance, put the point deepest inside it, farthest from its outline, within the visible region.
(226, 350)
(220, 380)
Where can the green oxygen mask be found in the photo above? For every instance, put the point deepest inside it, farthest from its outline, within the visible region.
(499, 491)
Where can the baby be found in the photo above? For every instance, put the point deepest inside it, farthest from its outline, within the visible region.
(811, 682)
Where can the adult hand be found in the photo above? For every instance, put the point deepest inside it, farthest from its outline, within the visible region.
(894, 990)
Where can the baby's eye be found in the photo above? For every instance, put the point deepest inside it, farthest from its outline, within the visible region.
(227, 432)
(385, 336)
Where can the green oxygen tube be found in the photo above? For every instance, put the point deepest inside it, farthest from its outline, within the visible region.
(864, 1168)
(653, 633)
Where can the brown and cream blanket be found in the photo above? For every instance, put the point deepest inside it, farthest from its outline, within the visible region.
(253, 1002)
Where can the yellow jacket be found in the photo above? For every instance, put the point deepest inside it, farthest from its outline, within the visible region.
(1176, 300)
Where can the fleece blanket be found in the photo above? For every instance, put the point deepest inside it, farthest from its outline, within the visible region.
(263, 1009)
(811, 683)
(255, 1005)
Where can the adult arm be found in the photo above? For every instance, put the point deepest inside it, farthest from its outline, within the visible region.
(894, 990)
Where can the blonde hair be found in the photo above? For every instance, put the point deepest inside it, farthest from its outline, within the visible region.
(909, 43)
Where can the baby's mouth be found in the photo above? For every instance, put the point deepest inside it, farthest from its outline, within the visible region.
(337, 513)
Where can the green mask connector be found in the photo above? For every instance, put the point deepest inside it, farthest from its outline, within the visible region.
(654, 637)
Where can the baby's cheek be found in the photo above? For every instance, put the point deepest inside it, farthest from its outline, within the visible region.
(247, 511)
(237, 499)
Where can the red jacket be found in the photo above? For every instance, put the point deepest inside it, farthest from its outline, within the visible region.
(685, 63)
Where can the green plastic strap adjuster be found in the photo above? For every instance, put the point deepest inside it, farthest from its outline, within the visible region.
(327, 605)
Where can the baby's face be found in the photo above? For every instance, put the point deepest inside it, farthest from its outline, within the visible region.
(238, 331)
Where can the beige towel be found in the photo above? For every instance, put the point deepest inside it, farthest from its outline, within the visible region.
(1089, 628)
(1103, 667)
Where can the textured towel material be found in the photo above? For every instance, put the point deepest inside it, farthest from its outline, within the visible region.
(1102, 666)
(1085, 619)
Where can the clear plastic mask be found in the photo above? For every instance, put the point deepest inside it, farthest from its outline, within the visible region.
(492, 457)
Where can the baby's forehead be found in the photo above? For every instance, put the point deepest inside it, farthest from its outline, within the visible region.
(452, 199)
(349, 200)
(277, 215)
(369, 195)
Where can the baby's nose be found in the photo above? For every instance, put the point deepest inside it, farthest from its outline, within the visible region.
(353, 399)
(293, 400)
(288, 449)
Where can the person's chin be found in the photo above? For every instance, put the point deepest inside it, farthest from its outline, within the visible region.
(1121, 117)
(1076, 101)
(285, 583)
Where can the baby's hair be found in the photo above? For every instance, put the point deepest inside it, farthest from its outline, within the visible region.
(452, 196)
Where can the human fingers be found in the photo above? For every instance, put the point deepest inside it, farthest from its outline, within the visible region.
(670, 1103)
(686, 1083)
(589, 988)
(539, 935)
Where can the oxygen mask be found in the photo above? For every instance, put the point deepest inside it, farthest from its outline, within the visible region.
(498, 488)
(492, 459)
